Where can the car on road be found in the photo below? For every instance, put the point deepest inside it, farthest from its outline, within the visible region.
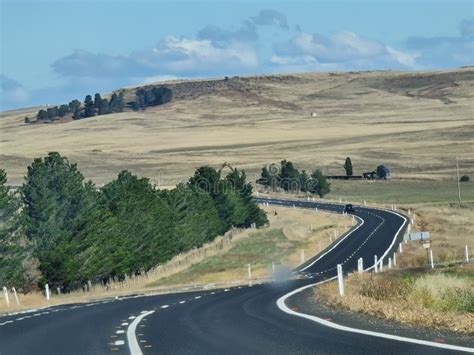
(348, 208)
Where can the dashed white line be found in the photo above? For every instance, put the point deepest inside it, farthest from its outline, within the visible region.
(181, 302)
(165, 306)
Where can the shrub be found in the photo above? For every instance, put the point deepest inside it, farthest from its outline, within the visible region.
(464, 178)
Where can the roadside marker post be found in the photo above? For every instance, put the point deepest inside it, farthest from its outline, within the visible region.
(46, 290)
(273, 267)
(360, 265)
(365, 203)
(249, 269)
(5, 296)
(431, 258)
(394, 259)
(340, 279)
(16, 296)
(375, 264)
(389, 263)
(466, 252)
(400, 247)
(302, 255)
(381, 265)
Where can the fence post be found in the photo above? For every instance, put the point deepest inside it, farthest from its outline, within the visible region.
(375, 264)
(249, 269)
(340, 279)
(17, 300)
(5, 296)
(46, 290)
(466, 252)
(431, 258)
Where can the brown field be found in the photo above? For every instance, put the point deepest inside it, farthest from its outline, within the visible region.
(416, 123)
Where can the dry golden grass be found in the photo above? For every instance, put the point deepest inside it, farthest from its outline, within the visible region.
(451, 229)
(399, 119)
(434, 300)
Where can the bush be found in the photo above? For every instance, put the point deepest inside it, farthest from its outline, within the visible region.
(464, 178)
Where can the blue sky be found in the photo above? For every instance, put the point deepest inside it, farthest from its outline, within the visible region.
(54, 51)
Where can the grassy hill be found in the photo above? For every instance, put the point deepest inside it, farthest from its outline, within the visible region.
(416, 123)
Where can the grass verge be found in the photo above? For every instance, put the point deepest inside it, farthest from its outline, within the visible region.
(438, 299)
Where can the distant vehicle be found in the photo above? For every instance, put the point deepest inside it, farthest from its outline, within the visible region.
(348, 208)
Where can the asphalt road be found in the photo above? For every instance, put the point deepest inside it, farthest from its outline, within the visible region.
(241, 320)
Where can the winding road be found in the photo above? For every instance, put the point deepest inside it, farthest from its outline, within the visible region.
(261, 319)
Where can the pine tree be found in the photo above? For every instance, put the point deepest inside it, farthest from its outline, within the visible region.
(97, 101)
(89, 108)
(348, 166)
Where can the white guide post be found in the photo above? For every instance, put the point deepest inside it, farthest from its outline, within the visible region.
(400, 247)
(17, 300)
(302, 255)
(249, 270)
(273, 267)
(340, 279)
(389, 263)
(466, 253)
(46, 290)
(5, 296)
(431, 258)
(360, 265)
(394, 259)
(375, 264)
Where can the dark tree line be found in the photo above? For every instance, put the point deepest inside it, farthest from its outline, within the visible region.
(98, 106)
(288, 178)
(65, 230)
(151, 97)
(90, 107)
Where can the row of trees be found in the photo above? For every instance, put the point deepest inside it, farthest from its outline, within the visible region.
(151, 97)
(287, 177)
(90, 107)
(98, 106)
(59, 228)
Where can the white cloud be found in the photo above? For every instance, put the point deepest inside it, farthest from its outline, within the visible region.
(341, 47)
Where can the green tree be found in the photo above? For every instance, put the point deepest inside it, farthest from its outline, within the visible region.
(348, 166)
(319, 184)
(56, 203)
(97, 100)
(104, 108)
(18, 269)
(89, 107)
(77, 114)
(63, 110)
(289, 177)
(304, 181)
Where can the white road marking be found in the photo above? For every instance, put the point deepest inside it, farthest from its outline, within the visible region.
(164, 306)
(119, 342)
(133, 345)
(120, 332)
(131, 317)
(181, 302)
(226, 290)
(282, 305)
(124, 324)
(197, 297)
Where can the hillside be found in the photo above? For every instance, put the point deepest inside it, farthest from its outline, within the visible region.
(416, 123)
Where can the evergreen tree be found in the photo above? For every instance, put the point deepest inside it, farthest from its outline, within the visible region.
(289, 177)
(348, 166)
(104, 108)
(304, 181)
(73, 105)
(319, 184)
(89, 107)
(63, 110)
(97, 100)
(42, 115)
(77, 114)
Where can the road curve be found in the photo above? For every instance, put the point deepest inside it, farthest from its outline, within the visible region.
(240, 320)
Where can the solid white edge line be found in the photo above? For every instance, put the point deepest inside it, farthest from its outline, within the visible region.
(131, 337)
(335, 245)
(281, 304)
